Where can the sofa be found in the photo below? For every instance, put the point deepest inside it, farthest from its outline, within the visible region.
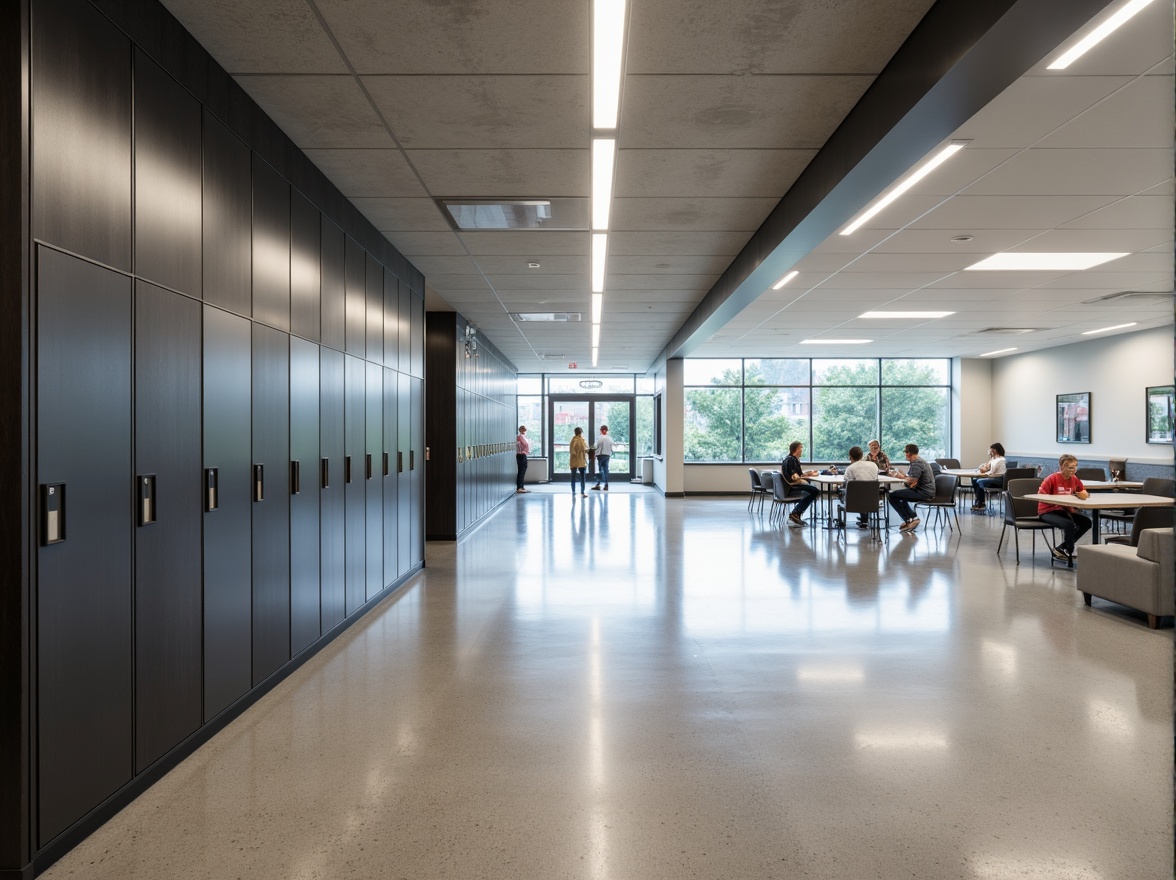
(1138, 577)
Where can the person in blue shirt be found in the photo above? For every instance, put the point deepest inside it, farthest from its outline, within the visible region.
(796, 479)
(920, 486)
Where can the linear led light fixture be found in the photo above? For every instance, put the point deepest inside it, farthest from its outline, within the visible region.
(604, 154)
(905, 314)
(597, 307)
(835, 341)
(1099, 34)
(998, 351)
(1010, 262)
(785, 279)
(595, 356)
(1105, 329)
(599, 253)
(608, 49)
(596, 336)
(907, 182)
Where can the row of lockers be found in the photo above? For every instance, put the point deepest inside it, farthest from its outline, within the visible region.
(485, 472)
(215, 496)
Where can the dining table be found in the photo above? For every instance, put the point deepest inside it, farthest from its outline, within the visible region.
(1099, 501)
(831, 483)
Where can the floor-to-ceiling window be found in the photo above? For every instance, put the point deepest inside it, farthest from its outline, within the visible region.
(751, 409)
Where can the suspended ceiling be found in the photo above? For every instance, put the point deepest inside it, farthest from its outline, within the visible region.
(724, 105)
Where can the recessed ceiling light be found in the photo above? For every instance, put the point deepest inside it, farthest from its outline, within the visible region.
(998, 351)
(905, 314)
(595, 356)
(1011, 262)
(910, 180)
(785, 279)
(595, 336)
(608, 49)
(597, 307)
(834, 341)
(1099, 34)
(1105, 329)
(532, 265)
(599, 252)
(604, 152)
(545, 316)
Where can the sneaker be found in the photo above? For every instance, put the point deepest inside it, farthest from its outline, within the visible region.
(1059, 553)
(606, 488)
(795, 520)
(976, 508)
(522, 491)
(863, 525)
(583, 494)
(909, 524)
(596, 488)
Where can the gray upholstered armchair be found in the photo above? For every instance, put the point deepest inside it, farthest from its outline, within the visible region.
(1138, 577)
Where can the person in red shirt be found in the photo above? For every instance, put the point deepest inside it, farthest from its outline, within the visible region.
(1072, 523)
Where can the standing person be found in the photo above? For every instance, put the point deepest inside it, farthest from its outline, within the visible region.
(860, 469)
(578, 461)
(522, 450)
(920, 486)
(1072, 523)
(878, 457)
(604, 449)
(994, 470)
(797, 481)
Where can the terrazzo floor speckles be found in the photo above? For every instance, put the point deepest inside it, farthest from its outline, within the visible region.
(626, 686)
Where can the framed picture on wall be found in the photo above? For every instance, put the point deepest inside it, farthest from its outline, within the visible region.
(1074, 417)
(1160, 401)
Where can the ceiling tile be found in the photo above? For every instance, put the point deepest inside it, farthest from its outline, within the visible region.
(669, 265)
(319, 111)
(717, 173)
(504, 173)
(971, 212)
(432, 244)
(670, 243)
(1032, 107)
(413, 215)
(1040, 172)
(368, 173)
(1139, 115)
(526, 243)
(690, 214)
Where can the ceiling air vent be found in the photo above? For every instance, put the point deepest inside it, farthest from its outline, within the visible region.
(547, 356)
(1007, 331)
(545, 316)
(1137, 297)
(482, 214)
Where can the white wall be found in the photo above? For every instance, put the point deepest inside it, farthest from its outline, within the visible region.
(668, 472)
(1115, 370)
(972, 426)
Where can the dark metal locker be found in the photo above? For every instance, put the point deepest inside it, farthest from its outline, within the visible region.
(373, 473)
(332, 523)
(375, 310)
(227, 489)
(270, 481)
(404, 512)
(355, 279)
(404, 343)
(84, 601)
(271, 246)
(167, 180)
(355, 411)
(333, 297)
(167, 515)
(417, 343)
(305, 259)
(227, 217)
(417, 466)
(391, 320)
(391, 479)
(304, 494)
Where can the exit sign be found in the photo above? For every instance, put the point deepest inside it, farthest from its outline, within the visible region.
(572, 365)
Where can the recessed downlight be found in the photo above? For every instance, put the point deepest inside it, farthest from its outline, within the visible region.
(1018, 262)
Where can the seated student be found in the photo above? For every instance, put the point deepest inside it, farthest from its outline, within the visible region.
(920, 486)
(860, 469)
(994, 468)
(1072, 523)
(878, 457)
(795, 480)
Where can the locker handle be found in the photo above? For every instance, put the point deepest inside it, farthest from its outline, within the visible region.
(385, 464)
(325, 473)
(211, 478)
(146, 496)
(52, 513)
(295, 477)
(367, 466)
(259, 482)
(347, 469)
(399, 462)
(412, 459)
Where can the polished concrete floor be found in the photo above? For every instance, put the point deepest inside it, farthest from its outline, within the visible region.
(628, 688)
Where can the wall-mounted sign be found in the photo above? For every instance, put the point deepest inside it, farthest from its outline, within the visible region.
(572, 365)
(591, 383)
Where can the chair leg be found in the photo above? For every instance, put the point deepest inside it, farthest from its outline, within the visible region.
(1153, 620)
(1017, 543)
(1086, 598)
(1001, 541)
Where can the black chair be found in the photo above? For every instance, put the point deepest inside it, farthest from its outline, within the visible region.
(936, 468)
(781, 499)
(1017, 473)
(1145, 518)
(1091, 473)
(1151, 486)
(950, 463)
(758, 490)
(1022, 515)
(943, 500)
(862, 497)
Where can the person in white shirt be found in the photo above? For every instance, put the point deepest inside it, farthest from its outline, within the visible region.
(604, 448)
(522, 450)
(860, 469)
(993, 469)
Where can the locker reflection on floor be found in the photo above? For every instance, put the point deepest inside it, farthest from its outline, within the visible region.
(628, 687)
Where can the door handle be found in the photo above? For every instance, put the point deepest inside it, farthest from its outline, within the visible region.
(259, 482)
(52, 513)
(325, 473)
(295, 477)
(385, 464)
(146, 483)
(211, 478)
(347, 469)
(367, 466)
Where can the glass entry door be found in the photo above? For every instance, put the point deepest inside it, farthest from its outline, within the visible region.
(590, 412)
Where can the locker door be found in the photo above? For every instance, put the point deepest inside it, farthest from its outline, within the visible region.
(391, 501)
(332, 526)
(354, 415)
(167, 539)
(270, 483)
(404, 511)
(227, 528)
(304, 493)
(417, 477)
(84, 636)
(374, 478)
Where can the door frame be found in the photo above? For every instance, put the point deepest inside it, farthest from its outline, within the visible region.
(592, 429)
